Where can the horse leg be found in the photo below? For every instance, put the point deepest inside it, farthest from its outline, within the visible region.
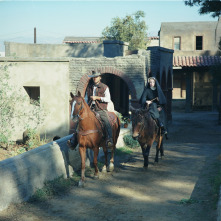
(146, 152)
(82, 151)
(158, 148)
(96, 151)
(161, 149)
(110, 168)
(104, 169)
(157, 154)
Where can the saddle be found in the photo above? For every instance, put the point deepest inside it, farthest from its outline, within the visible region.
(111, 117)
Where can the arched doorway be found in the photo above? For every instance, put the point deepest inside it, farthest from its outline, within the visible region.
(119, 92)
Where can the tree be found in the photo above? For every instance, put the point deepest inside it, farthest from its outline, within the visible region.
(206, 6)
(130, 29)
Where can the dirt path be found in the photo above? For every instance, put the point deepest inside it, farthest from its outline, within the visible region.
(178, 188)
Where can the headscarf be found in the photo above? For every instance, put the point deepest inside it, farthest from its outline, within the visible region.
(161, 96)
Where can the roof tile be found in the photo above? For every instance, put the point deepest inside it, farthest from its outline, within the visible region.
(195, 61)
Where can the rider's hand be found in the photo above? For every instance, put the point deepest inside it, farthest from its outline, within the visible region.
(159, 109)
(149, 102)
(94, 98)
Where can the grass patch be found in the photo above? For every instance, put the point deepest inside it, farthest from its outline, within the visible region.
(188, 201)
(122, 151)
(55, 187)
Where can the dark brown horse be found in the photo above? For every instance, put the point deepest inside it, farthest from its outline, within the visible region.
(90, 134)
(146, 131)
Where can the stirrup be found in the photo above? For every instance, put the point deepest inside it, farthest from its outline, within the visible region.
(72, 143)
(109, 143)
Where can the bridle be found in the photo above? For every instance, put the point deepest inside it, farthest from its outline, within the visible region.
(78, 114)
(142, 124)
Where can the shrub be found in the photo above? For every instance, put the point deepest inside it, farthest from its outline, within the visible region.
(130, 142)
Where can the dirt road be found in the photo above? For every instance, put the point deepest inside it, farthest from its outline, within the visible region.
(179, 187)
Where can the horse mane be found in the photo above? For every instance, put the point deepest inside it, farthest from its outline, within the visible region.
(143, 112)
(89, 111)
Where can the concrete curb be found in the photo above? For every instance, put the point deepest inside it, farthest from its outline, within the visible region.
(22, 175)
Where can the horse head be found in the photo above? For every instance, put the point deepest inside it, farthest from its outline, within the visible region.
(138, 120)
(77, 104)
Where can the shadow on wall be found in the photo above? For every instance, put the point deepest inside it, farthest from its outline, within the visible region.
(85, 50)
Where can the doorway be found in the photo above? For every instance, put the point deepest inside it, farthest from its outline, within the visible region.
(119, 92)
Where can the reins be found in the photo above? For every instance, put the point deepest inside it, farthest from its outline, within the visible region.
(86, 132)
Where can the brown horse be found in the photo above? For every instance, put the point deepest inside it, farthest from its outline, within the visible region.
(91, 135)
(146, 131)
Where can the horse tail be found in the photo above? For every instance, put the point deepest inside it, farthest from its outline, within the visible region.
(117, 130)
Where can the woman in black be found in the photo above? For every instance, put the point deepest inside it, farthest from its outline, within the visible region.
(153, 97)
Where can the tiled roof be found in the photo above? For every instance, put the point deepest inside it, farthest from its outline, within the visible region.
(153, 38)
(195, 61)
(89, 40)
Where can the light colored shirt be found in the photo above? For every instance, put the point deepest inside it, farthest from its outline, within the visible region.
(106, 98)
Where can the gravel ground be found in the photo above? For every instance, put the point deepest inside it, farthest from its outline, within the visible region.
(179, 187)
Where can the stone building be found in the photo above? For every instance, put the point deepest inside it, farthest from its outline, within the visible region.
(195, 46)
(57, 70)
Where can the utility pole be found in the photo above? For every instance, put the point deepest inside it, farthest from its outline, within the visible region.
(34, 35)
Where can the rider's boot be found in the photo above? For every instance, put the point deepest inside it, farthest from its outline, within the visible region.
(163, 130)
(109, 141)
(73, 142)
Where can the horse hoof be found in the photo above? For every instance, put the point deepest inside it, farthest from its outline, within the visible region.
(104, 169)
(81, 183)
(96, 177)
(110, 168)
(145, 168)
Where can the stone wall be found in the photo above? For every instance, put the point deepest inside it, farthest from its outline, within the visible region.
(22, 175)
(130, 68)
(83, 50)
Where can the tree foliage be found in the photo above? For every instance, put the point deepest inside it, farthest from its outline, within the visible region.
(131, 29)
(206, 6)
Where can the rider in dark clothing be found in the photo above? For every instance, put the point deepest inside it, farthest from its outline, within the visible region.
(153, 97)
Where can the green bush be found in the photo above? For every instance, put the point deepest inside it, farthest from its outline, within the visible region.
(130, 142)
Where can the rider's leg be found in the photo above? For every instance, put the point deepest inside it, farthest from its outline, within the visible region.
(161, 125)
(104, 118)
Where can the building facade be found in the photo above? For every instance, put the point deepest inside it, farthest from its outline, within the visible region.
(126, 76)
(195, 46)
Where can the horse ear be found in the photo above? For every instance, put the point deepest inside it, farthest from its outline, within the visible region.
(71, 95)
(79, 94)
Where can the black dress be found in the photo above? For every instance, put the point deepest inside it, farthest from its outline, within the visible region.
(149, 94)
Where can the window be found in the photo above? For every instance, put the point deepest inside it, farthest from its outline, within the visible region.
(199, 42)
(177, 41)
(34, 94)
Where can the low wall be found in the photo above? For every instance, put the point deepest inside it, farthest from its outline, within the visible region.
(22, 175)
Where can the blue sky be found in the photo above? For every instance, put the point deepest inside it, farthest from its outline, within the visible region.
(56, 19)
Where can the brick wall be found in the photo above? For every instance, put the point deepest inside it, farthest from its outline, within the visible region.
(131, 69)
